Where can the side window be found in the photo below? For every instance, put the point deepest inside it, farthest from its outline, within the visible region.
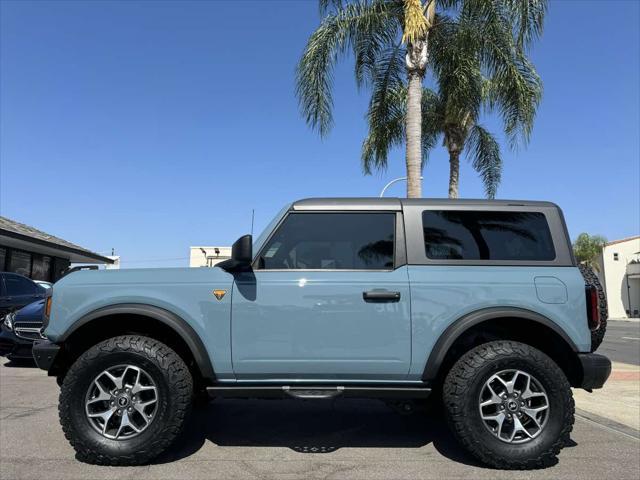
(477, 235)
(331, 241)
(17, 285)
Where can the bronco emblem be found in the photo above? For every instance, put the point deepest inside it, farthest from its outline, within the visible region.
(219, 293)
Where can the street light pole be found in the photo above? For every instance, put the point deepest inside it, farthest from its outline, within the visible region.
(391, 183)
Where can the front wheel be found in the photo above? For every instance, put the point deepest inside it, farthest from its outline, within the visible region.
(125, 400)
(509, 405)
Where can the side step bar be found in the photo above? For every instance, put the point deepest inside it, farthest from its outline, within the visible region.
(317, 391)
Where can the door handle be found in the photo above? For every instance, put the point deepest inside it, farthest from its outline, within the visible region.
(380, 296)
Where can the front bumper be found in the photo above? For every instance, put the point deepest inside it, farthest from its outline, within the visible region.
(595, 370)
(44, 353)
(13, 347)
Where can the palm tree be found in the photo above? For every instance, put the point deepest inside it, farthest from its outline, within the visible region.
(391, 41)
(453, 112)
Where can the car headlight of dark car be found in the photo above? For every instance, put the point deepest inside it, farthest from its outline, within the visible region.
(8, 320)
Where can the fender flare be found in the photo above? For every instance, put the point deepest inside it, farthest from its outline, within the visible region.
(170, 319)
(464, 323)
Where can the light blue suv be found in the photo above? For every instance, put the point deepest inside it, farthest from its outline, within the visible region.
(478, 303)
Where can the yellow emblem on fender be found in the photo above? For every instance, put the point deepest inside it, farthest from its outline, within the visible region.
(219, 294)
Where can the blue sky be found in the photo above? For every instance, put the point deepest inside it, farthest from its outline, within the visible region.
(152, 126)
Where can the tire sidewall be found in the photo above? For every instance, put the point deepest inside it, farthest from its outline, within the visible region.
(557, 407)
(83, 379)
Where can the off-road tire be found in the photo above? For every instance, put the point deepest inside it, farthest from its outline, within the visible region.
(590, 278)
(174, 389)
(461, 393)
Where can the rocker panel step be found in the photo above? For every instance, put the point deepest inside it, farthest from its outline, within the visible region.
(317, 391)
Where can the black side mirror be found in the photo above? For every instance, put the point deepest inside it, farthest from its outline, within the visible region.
(241, 255)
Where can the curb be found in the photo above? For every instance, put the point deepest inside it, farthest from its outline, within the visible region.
(608, 423)
(631, 320)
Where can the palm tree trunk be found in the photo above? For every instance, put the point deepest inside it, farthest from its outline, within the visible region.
(454, 140)
(416, 61)
(414, 135)
(454, 172)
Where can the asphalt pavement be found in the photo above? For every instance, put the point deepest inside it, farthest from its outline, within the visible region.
(622, 341)
(346, 439)
(290, 439)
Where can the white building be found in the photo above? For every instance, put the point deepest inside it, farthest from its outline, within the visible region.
(116, 262)
(620, 274)
(208, 256)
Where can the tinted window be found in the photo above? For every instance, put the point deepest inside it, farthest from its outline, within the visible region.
(469, 235)
(16, 285)
(332, 241)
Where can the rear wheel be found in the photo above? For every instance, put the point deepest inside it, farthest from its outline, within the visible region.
(509, 405)
(125, 400)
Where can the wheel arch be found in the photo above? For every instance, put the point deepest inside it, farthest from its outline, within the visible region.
(504, 323)
(142, 319)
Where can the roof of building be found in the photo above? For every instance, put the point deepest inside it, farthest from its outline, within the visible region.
(622, 240)
(20, 231)
(389, 203)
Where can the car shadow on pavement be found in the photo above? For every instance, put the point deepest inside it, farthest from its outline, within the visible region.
(314, 427)
(19, 363)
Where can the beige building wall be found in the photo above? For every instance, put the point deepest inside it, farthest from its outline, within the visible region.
(621, 277)
(208, 256)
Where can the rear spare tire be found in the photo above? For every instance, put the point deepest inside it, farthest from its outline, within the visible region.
(591, 279)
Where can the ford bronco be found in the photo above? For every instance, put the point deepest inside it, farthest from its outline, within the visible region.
(478, 303)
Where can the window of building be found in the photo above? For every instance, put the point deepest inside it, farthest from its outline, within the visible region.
(41, 269)
(615, 257)
(332, 241)
(482, 235)
(20, 263)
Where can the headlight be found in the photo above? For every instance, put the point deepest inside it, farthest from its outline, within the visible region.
(8, 320)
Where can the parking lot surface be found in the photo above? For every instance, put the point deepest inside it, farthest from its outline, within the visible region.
(345, 439)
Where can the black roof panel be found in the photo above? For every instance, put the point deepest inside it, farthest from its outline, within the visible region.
(389, 203)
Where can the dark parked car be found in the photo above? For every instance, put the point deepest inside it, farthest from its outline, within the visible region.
(17, 291)
(20, 329)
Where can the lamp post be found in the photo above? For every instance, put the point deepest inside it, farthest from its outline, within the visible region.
(391, 183)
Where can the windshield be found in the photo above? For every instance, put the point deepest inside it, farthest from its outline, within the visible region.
(259, 241)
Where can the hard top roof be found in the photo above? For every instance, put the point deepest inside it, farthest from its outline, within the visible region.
(392, 203)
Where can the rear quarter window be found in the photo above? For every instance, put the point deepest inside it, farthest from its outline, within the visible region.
(487, 235)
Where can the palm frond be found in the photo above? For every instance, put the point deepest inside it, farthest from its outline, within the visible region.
(386, 131)
(456, 64)
(516, 88)
(369, 45)
(326, 6)
(387, 80)
(432, 122)
(337, 32)
(528, 19)
(484, 150)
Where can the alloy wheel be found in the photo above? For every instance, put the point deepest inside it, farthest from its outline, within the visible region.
(121, 402)
(514, 406)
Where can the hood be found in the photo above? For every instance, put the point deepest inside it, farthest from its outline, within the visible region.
(141, 277)
(30, 313)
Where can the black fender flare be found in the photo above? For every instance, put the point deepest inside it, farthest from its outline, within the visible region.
(464, 323)
(170, 319)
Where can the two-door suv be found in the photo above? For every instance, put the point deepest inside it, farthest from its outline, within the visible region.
(478, 302)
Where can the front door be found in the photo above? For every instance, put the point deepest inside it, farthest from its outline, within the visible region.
(325, 301)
